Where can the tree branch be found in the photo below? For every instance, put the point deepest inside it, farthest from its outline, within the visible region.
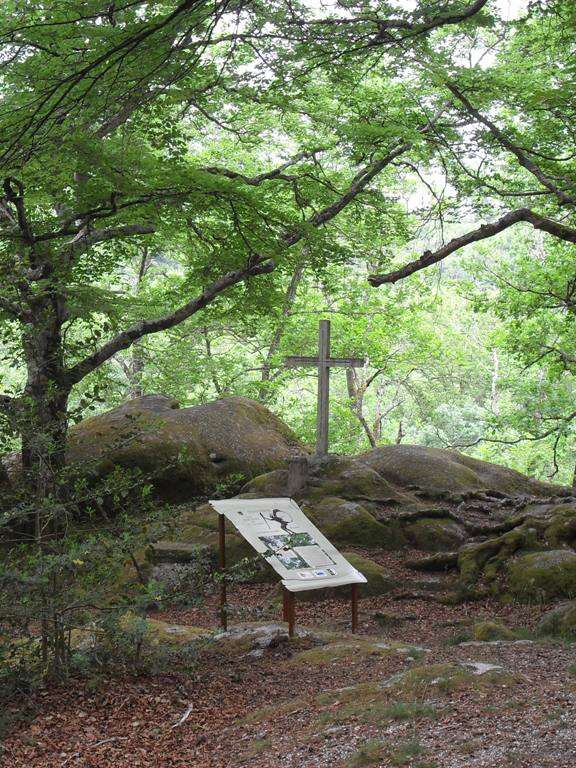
(427, 25)
(482, 233)
(85, 239)
(517, 151)
(126, 338)
(257, 265)
(276, 173)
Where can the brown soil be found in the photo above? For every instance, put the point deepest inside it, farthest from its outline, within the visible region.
(529, 722)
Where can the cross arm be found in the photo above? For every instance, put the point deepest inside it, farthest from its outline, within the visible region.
(295, 361)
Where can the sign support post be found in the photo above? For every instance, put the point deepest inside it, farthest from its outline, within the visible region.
(354, 595)
(222, 559)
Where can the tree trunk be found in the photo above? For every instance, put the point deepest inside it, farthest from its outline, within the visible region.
(356, 392)
(43, 412)
(43, 425)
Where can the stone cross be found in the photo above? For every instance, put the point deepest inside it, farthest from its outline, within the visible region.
(323, 362)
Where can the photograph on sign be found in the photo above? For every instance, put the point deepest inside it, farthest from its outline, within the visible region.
(294, 547)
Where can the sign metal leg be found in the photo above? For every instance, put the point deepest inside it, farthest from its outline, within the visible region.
(289, 610)
(222, 563)
(354, 597)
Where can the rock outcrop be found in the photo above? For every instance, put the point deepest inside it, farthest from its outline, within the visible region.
(438, 472)
(505, 532)
(184, 451)
(559, 622)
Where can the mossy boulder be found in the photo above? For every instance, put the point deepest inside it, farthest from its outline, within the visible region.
(487, 559)
(378, 581)
(185, 451)
(348, 522)
(559, 622)
(485, 631)
(561, 529)
(435, 534)
(543, 575)
(269, 485)
(333, 476)
(440, 472)
(348, 478)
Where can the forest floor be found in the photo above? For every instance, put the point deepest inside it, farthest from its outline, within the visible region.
(410, 689)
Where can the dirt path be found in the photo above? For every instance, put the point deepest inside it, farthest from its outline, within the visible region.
(348, 701)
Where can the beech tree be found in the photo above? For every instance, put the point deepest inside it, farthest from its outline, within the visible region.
(117, 125)
(103, 115)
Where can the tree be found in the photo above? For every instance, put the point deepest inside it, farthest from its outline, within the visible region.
(98, 153)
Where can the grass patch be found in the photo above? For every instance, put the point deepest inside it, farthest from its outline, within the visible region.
(258, 746)
(458, 637)
(404, 710)
(369, 703)
(327, 654)
(371, 753)
(406, 752)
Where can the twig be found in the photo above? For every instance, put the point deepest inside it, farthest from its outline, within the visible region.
(94, 744)
(184, 717)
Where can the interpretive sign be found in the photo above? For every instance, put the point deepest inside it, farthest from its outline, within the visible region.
(294, 547)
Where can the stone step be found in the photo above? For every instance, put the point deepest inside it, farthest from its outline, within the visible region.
(439, 562)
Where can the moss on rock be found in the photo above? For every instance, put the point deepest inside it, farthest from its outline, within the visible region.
(484, 631)
(186, 451)
(347, 478)
(559, 622)
(543, 575)
(350, 523)
(379, 583)
(435, 534)
(562, 528)
(488, 558)
(269, 485)
(438, 471)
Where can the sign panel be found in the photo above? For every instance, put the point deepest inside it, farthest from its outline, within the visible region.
(294, 547)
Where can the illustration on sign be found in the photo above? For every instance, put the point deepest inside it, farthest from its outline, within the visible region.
(294, 547)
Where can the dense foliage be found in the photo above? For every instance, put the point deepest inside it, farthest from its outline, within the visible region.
(189, 186)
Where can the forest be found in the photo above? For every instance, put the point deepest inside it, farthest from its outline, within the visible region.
(188, 188)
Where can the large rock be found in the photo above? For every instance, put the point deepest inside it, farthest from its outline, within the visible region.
(349, 522)
(489, 560)
(543, 575)
(185, 451)
(343, 477)
(435, 534)
(559, 622)
(438, 472)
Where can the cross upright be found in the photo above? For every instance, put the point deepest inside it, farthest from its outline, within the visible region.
(323, 362)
